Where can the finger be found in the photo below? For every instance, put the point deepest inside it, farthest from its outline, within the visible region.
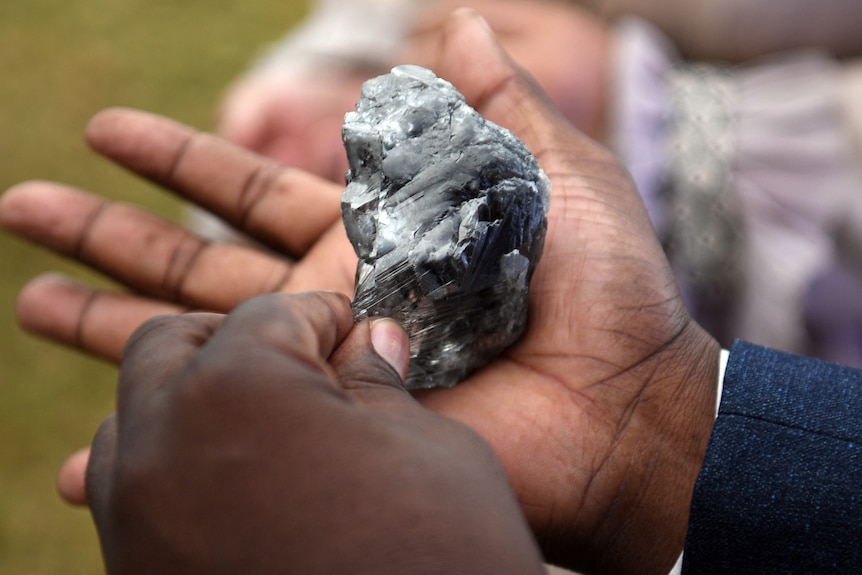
(308, 325)
(329, 266)
(423, 40)
(592, 200)
(266, 343)
(270, 345)
(158, 350)
(374, 355)
(100, 321)
(586, 179)
(502, 92)
(98, 473)
(139, 249)
(317, 148)
(71, 483)
(391, 344)
(97, 321)
(287, 209)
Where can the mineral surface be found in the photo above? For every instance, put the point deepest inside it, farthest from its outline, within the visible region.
(446, 212)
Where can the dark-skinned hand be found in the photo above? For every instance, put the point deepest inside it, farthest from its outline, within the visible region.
(277, 439)
(600, 414)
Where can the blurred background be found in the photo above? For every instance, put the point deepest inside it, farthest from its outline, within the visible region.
(60, 63)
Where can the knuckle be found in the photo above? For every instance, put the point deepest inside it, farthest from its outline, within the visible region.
(210, 379)
(150, 328)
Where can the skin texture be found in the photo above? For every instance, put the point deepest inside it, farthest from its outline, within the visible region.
(275, 440)
(600, 414)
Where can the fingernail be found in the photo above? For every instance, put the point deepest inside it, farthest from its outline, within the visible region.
(390, 343)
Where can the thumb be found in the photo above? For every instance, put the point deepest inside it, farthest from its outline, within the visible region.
(376, 353)
(472, 59)
(474, 62)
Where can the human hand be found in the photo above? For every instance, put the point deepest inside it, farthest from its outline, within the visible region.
(279, 439)
(600, 414)
(293, 117)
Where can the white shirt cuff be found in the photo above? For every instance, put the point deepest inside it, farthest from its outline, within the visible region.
(719, 387)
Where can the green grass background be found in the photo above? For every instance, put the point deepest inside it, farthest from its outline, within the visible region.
(60, 62)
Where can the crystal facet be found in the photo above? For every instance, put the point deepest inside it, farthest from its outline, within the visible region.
(446, 212)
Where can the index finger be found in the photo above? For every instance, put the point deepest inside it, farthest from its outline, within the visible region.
(284, 208)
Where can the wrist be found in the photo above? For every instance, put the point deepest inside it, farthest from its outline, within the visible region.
(659, 455)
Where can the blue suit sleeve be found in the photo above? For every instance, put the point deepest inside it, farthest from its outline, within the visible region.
(780, 490)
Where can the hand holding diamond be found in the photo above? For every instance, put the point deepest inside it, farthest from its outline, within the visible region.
(279, 439)
(600, 414)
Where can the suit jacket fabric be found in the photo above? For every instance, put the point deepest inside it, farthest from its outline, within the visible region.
(780, 490)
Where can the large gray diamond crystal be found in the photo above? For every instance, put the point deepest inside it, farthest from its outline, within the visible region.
(446, 212)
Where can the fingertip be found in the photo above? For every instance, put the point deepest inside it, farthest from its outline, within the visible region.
(16, 190)
(47, 213)
(13, 201)
(468, 17)
(71, 482)
(465, 33)
(390, 342)
(104, 121)
(107, 115)
(48, 305)
(374, 355)
(141, 141)
(492, 83)
(22, 195)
